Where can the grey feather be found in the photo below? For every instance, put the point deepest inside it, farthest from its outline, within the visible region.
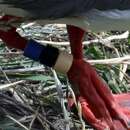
(45, 9)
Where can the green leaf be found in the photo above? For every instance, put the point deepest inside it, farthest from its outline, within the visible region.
(39, 78)
(95, 52)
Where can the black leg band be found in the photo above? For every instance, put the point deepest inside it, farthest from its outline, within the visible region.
(49, 56)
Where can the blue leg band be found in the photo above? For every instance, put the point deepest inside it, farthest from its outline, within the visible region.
(33, 50)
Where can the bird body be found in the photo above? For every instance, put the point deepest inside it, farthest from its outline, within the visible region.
(96, 20)
(53, 9)
(96, 15)
(86, 14)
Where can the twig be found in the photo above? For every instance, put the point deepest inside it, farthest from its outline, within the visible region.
(11, 53)
(80, 115)
(62, 100)
(27, 25)
(107, 41)
(78, 106)
(16, 121)
(41, 117)
(4, 73)
(120, 60)
(123, 71)
(34, 118)
(8, 86)
(30, 69)
(98, 40)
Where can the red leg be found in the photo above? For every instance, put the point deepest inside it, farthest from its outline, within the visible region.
(76, 36)
(83, 81)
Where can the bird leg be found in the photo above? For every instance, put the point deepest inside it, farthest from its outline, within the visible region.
(91, 86)
(79, 78)
(76, 36)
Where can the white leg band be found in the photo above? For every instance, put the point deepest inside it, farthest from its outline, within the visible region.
(64, 62)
